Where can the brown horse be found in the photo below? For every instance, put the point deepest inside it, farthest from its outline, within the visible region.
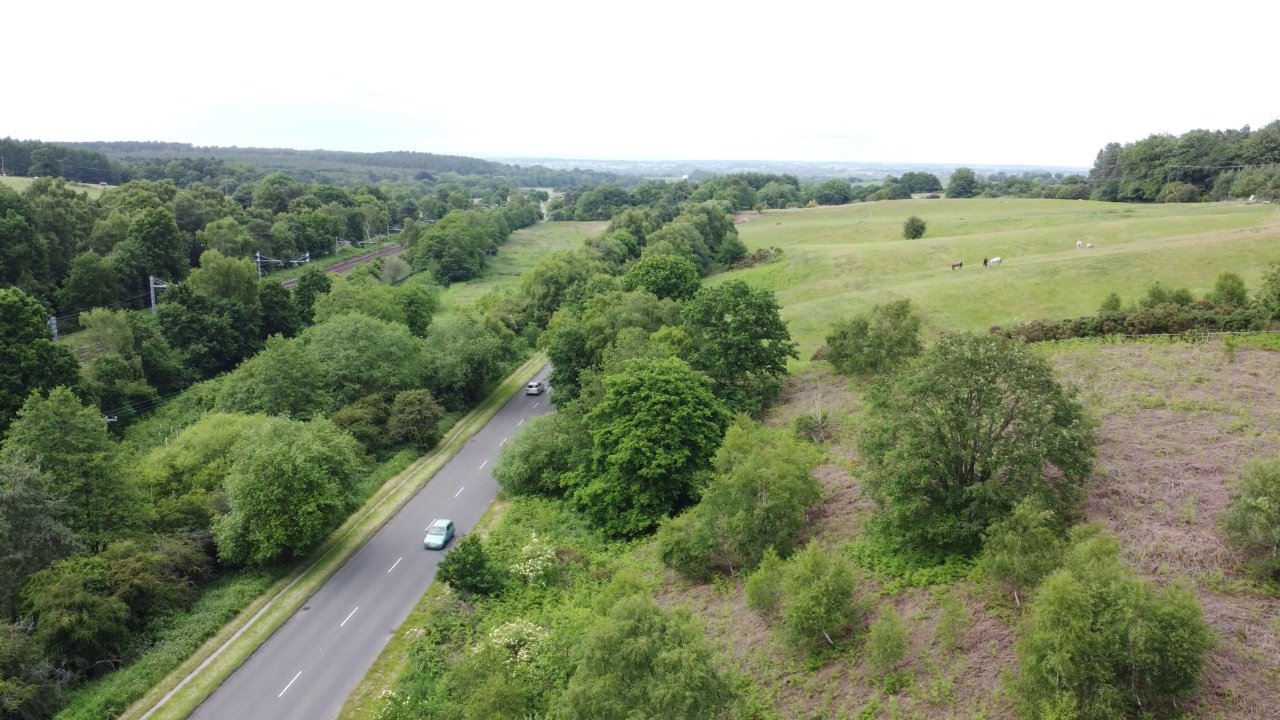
(957, 265)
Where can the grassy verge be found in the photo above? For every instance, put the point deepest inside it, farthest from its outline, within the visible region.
(21, 183)
(186, 687)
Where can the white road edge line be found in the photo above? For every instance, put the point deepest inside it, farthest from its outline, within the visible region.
(464, 487)
(394, 564)
(353, 612)
(291, 682)
(504, 442)
(535, 404)
(486, 462)
(520, 423)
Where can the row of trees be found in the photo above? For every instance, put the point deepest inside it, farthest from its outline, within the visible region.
(102, 539)
(1197, 165)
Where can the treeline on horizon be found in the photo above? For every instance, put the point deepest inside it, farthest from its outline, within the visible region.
(117, 163)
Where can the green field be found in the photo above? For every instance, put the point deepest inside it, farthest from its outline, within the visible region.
(21, 183)
(521, 251)
(838, 260)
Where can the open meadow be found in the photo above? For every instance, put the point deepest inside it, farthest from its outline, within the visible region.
(520, 253)
(842, 259)
(21, 183)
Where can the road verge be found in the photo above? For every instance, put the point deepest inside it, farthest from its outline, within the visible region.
(182, 691)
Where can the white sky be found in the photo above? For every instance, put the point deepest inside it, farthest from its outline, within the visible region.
(911, 81)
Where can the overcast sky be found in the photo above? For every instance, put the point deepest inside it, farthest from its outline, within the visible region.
(948, 82)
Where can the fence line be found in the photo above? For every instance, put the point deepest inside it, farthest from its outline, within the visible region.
(1188, 336)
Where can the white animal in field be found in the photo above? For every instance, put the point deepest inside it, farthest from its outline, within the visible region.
(993, 262)
(1089, 246)
(1079, 244)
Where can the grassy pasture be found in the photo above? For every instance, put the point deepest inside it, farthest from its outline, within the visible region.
(520, 253)
(21, 183)
(839, 260)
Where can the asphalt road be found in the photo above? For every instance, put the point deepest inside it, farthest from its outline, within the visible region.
(309, 666)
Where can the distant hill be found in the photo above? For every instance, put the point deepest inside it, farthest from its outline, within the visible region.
(344, 168)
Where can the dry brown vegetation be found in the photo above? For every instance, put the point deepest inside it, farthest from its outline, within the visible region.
(1177, 422)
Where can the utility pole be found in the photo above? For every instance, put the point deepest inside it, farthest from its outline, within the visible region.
(257, 257)
(53, 326)
(154, 283)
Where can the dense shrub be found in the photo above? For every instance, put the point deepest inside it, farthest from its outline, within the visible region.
(913, 228)
(1252, 523)
(1102, 644)
(1023, 548)
(811, 596)
(875, 341)
(468, 569)
(547, 447)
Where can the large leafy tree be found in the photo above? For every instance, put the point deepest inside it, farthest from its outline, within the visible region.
(666, 276)
(63, 218)
(280, 314)
(360, 355)
(291, 484)
(737, 338)
(466, 355)
(641, 661)
(225, 278)
(91, 282)
(284, 379)
(576, 340)
(23, 254)
(83, 466)
(546, 283)
(653, 436)
(756, 500)
(31, 534)
(312, 283)
(962, 184)
(956, 440)
(214, 333)
(29, 359)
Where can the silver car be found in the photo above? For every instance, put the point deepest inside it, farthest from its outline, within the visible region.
(537, 387)
(438, 534)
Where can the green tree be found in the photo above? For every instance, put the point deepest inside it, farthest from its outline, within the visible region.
(812, 596)
(833, 192)
(468, 569)
(312, 283)
(545, 284)
(224, 278)
(738, 338)
(1252, 523)
(541, 453)
(1111, 304)
(284, 379)
(214, 334)
(756, 501)
(955, 441)
(467, 355)
(1229, 291)
(359, 355)
(70, 444)
(666, 276)
(76, 616)
(28, 685)
(913, 228)
(291, 484)
(228, 237)
(415, 419)
(1024, 547)
(22, 253)
(91, 282)
(653, 436)
(641, 661)
(31, 534)
(1104, 644)
(963, 184)
(280, 314)
(876, 341)
(1268, 296)
(29, 359)
(576, 338)
(164, 251)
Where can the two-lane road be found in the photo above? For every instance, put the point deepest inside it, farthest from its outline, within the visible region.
(309, 666)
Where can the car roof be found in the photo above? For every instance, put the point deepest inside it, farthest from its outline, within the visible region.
(442, 522)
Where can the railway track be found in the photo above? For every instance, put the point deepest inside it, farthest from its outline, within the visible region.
(347, 266)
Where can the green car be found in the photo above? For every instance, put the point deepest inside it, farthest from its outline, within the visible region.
(438, 535)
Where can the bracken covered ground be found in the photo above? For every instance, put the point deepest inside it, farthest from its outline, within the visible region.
(1177, 421)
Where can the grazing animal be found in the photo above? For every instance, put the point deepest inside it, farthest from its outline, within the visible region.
(993, 262)
(1079, 244)
(1089, 246)
(957, 265)
(984, 262)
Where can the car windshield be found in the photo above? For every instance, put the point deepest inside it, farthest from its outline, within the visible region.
(436, 530)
